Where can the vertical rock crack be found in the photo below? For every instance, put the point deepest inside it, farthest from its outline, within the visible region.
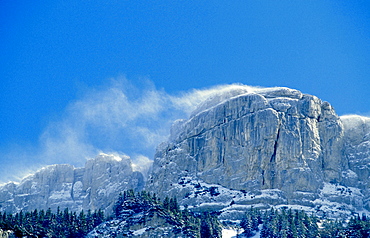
(273, 157)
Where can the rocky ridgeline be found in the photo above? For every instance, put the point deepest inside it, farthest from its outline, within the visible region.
(96, 186)
(264, 147)
(241, 148)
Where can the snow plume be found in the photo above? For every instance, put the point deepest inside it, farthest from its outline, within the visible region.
(119, 117)
(142, 164)
(200, 99)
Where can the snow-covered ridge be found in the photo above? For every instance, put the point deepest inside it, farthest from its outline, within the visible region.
(94, 186)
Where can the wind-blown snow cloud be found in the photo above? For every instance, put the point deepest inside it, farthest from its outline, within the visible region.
(119, 117)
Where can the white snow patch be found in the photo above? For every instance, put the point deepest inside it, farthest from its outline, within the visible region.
(349, 174)
(308, 210)
(139, 232)
(258, 233)
(229, 233)
(110, 157)
(333, 189)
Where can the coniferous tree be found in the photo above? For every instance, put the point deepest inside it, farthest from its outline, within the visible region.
(117, 208)
(330, 229)
(154, 198)
(173, 205)
(246, 224)
(205, 229)
(166, 203)
(191, 224)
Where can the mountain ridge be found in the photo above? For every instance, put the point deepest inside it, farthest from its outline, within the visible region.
(242, 147)
(91, 187)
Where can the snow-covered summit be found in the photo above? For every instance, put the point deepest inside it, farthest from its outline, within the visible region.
(231, 91)
(280, 98)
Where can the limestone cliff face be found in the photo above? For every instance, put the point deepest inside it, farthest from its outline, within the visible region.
(270, 139)
(95, 186)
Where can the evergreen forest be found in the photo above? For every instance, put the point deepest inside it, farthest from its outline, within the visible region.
(273, 223)
(42, 223)
(288, 223)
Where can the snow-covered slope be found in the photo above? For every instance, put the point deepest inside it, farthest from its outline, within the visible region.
(96, 186)
(261, 147)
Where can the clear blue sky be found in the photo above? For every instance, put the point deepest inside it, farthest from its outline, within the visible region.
(56, 54)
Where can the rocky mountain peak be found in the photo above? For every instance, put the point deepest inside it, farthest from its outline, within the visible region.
(276, 140)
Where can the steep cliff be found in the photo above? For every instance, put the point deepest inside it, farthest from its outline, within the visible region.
(257, 147)
(96, 186)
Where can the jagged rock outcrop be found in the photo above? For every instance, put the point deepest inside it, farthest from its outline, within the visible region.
(96, 186)
(155, 226)
(142, 215)
(262, 147)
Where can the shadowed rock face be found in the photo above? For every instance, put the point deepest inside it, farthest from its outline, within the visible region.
(271, 139)
(96, 186)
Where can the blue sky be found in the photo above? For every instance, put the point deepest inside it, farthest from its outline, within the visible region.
(63, 62)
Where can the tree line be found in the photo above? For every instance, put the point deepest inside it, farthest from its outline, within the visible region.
(288, 223)
(285, 223)
(273, 223)
(63, 224)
